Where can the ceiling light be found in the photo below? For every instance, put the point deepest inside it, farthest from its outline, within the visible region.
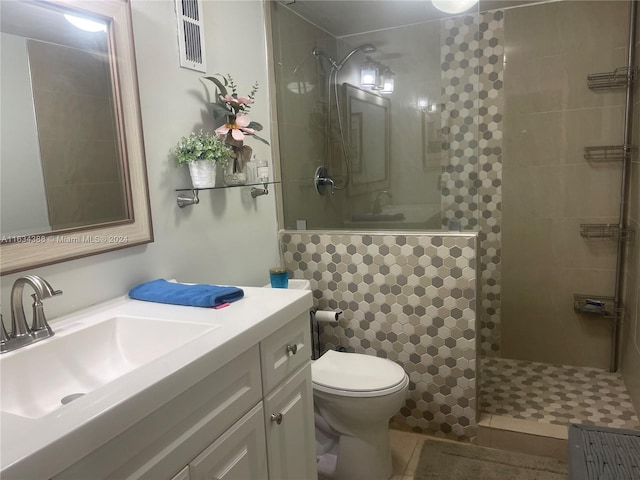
(86, 24)
(453, 6)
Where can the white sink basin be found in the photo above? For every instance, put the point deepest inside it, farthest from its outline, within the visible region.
(80, 358)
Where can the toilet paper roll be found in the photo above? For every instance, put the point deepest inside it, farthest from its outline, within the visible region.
(328, 316)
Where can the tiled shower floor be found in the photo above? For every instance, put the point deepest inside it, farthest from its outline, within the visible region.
(555, 394)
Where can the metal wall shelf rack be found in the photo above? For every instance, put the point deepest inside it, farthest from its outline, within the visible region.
(606, 230)
(186, 199)
(596, 305)
(619, 78)
(609, 153)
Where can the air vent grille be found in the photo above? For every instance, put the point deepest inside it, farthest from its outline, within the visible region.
(191, 34)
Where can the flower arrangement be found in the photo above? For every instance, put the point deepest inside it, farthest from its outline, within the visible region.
(202, 146)
(235, 109)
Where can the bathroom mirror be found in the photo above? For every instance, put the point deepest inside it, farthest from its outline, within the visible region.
(73, 177)
(367, 124)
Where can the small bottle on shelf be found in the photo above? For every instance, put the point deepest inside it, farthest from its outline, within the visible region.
(252, 171)
(263, 171)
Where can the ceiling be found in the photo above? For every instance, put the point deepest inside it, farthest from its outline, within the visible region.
(348, 17)
(40, 22)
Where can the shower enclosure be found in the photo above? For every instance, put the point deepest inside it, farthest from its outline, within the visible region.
(492, 127)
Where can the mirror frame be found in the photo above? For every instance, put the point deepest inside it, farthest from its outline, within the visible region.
(350, 91)
(27, 251)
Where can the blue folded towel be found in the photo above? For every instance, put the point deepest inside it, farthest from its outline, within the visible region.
(200, 295)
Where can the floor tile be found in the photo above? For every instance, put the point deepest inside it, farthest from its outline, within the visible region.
(403, 445)
(556, 394)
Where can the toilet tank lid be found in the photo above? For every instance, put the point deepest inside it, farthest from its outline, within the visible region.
(356, 372)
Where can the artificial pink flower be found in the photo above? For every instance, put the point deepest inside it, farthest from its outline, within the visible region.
(238, 129)
(239, 100)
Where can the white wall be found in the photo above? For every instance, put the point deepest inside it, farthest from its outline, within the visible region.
(228, 238)
(21, 178)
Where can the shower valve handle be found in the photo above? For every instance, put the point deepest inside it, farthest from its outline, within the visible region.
(322, 179)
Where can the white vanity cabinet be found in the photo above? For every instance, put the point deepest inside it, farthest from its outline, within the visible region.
(250, 419)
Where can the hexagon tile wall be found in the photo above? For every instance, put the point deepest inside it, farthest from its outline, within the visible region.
(407, 297)
(472, 68)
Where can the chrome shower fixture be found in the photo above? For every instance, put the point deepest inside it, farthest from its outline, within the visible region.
(317, 53)
(366, 48)
(322, 179)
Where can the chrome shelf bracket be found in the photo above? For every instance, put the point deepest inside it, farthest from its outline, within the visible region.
(186, 199)
(256, 192)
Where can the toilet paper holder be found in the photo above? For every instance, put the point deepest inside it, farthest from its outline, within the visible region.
(326, 316)
(318, 316)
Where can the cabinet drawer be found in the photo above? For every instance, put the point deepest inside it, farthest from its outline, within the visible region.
(284, 351)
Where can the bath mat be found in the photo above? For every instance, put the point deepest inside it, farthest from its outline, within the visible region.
(601, 452)
(442, 460)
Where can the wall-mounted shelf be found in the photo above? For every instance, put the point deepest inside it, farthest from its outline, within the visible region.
(186, 199)
(620, 77)
(608, 153)
(605, 230)
(596, 305)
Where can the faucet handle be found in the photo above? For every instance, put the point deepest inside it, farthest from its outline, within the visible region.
(4, 336)
(39, 327)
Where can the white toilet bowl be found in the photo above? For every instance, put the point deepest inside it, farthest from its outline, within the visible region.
(355, 395)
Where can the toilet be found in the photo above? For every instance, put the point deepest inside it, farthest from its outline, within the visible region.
(354, 396)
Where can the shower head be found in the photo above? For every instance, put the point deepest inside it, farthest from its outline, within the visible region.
(366, 48)
(317, 53)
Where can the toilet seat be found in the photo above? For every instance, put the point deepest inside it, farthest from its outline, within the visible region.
(357, 375)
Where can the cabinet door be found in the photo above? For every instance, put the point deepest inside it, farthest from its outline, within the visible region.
(291, 443)
(239, 454)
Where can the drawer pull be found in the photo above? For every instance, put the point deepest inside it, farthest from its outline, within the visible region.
(293, 349)
(276, 417)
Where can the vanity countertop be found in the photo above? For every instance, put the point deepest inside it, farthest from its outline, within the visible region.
(42, 447)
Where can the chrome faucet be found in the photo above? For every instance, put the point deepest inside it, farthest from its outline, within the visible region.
(21, 334)
(377, 203)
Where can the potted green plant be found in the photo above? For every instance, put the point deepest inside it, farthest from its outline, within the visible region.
(202, 152)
